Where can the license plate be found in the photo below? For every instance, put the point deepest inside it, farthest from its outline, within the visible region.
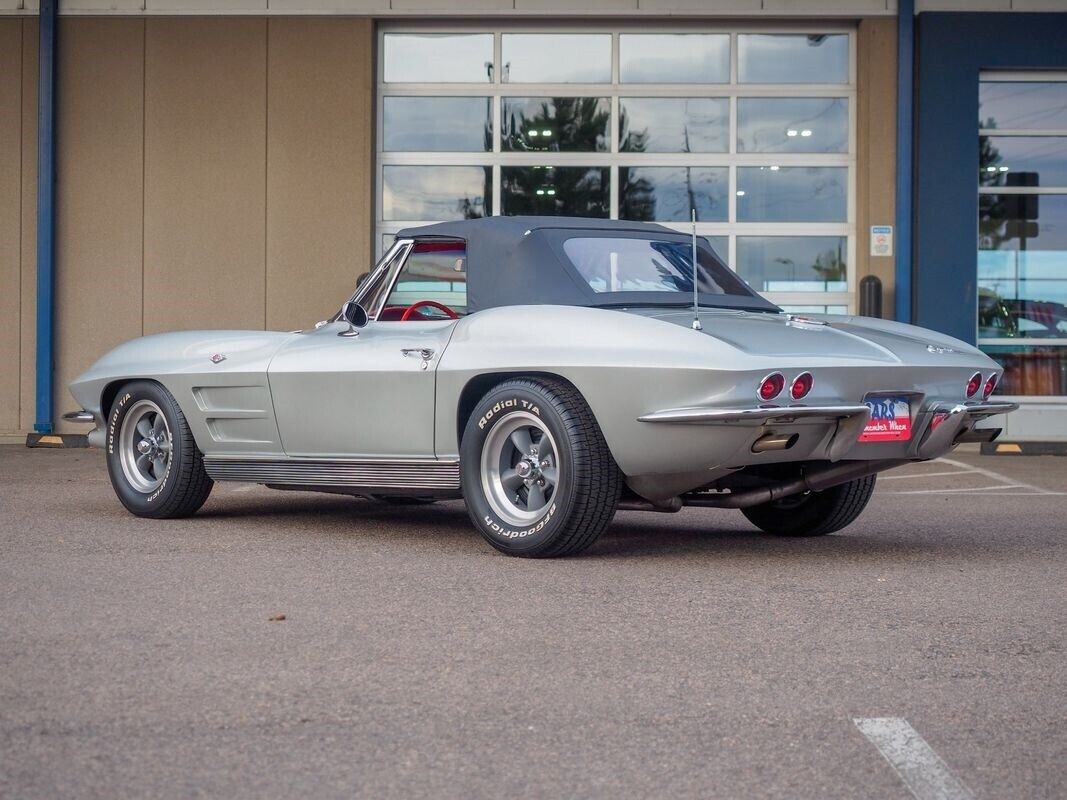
(890, 420)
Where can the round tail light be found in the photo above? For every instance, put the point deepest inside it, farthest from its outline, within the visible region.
(990, 385)
(801, 385)
(974, 384)
(771, 386)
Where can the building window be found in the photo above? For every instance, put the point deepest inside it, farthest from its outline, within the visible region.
(754, 129)
(1022, 229)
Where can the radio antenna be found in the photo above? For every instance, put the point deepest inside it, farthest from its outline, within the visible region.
(696, 301)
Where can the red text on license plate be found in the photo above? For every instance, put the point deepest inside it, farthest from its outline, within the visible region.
(890, 420)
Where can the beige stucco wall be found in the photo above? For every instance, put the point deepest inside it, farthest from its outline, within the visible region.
(211, 172)
(876, 142)
(18, 221)
(10, 219)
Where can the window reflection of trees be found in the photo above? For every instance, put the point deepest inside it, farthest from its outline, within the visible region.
(557, 124)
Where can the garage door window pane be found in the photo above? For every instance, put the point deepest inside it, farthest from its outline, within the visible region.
(674, 58)
(436, 193)
(438, 58)
(674, 125)
(793, 263)
(1001, 159)
(792, 125)
(555, 124)
(666, 194)
(556, 57)
(556, 191)
(1026, 105)
(792, 194)
(442, 124)
(792, 58)
(1022, 266)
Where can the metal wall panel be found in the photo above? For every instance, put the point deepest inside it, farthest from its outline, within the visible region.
(99, 159)
(446, 6)
(103, 5)
(319, 165)
(570, 7)
(876, 139)
(28, 321)
(329, 6)
(10, 216)
(206, 6)
(205, 173)
(838, 7)
(702, 6)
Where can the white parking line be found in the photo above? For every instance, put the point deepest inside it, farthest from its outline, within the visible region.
(922, 770)
(998, 477)
(998, 487)
(924, 475)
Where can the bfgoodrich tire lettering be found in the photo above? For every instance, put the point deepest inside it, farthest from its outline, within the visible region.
(153, 461)
(815, 513)
(538, 478)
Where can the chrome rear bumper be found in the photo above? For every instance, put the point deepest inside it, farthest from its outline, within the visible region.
(938, 427)
(948, 423)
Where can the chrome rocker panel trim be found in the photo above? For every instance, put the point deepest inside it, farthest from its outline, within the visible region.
(349, 473)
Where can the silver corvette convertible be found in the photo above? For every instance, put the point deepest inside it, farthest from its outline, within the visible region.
(548, 371)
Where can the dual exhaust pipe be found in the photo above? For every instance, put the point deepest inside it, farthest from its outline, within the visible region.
(811, 479)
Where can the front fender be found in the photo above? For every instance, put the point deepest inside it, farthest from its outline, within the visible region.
(225, 400)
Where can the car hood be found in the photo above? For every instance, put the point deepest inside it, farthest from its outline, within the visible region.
(822, 335)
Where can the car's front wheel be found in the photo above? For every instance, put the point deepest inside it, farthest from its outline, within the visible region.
(538, 478)
(813, 513)
(155, 466)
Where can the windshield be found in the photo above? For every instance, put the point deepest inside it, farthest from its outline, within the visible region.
(611, 265)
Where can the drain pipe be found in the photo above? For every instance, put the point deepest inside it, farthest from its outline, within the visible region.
(46, 181)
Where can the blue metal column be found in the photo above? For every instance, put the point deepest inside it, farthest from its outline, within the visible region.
(46, 181)
(905, 100)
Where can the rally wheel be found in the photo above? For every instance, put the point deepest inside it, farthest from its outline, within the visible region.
(537, 475)
(153, 461)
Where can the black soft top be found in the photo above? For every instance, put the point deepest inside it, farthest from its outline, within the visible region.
(521, 261)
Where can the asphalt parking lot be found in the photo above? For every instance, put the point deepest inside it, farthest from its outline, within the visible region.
(685, 655)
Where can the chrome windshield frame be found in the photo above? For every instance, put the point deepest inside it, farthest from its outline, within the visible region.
(397, 254)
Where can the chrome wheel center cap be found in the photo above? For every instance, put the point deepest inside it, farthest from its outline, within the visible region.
(524, 468)
(144, 447)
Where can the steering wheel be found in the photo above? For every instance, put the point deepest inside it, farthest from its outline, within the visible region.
(410, 311)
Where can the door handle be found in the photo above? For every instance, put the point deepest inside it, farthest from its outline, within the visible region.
(425, 353)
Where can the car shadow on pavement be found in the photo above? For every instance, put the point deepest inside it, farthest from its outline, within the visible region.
(690, 533)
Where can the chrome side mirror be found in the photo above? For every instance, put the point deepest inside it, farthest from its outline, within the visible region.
(356, 317)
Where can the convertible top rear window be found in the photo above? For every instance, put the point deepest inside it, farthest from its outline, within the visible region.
(611, 265)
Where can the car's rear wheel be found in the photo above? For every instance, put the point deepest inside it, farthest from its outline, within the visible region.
(813, 513)
(155, 466)
(538, 478)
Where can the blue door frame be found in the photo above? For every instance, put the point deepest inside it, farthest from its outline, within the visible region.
(952, 49)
